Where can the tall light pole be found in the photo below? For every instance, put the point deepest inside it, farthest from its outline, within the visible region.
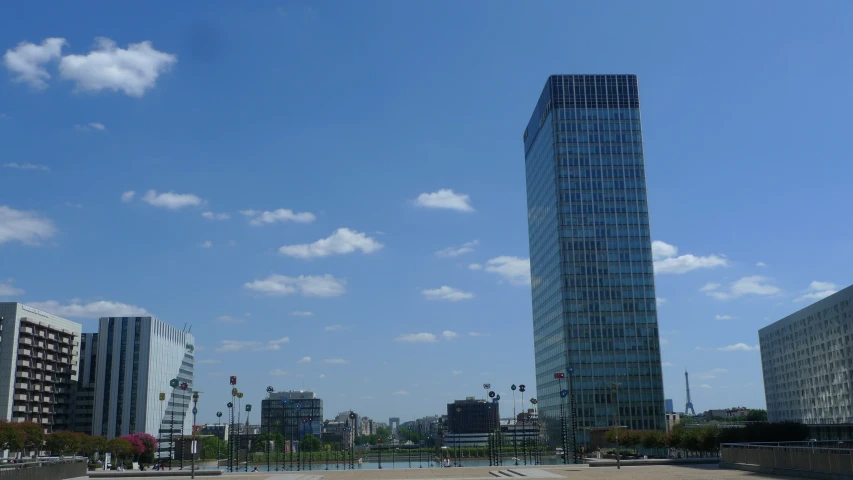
(239, 424)
(194, 447)
(174, 384)
(458, 438)
(522, 388)
(352, 416)
(537, 460)
(563, 393)
(219, 440)
(571, 372)
(248, 442)
(514, 426)
(270, 390)
(614, 393)
(160, 428)
(230, 406)
(184, 387)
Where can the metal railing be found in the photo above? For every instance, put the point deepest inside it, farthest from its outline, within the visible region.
(835, 458)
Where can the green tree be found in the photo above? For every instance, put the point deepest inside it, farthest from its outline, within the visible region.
(756, 415)
(310, 443)
(653, 439)
(383, 432)
(12, 437)
(93, 444)
(63, 443)
(119, 448)
(33, 436)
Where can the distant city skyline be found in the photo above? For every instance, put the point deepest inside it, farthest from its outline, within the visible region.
(332, 196)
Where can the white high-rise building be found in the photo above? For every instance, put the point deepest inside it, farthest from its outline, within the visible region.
(807, 360)
(137, 358)
(38, 366)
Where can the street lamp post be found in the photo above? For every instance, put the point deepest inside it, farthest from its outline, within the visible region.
(514, 426)
(352, 416)
(218, 440)
(299, 451)
(537, 460)
(160, 427)
(498, 432)
(194, 448)
(248, 442)
(239, 428)
(560, 376)
(174, 384)
(614, 392)
(184, 387)
(522, 388)
(325, 436)
(571, 372)
(270, 391)
(420, 450)
(230, 406)
(379, 441)
(458, 439)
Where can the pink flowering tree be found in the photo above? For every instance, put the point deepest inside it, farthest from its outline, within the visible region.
(143, 446)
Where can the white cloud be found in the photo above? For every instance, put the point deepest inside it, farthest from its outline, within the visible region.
(230, 319)
(752, 285)
(400, 393)
(666, 364)
(7, 289)
(24, 226)
(278, 372)
(25, 61)
(738, 347)
(91, 126)
(255, 346)
(208, 361)
(26, 166)
(322, 375)
(447, 293)
(456, 251)
(333, 328)
(306, 285)
(416, 338)
(724, 317)
(206, 244)
(659, 301)
(128, 196)
(133, 70)
(445, 198)
(818, 290)
(90, 310)
(513, 269)
(662, 250)
(719, 370)
(760, 264)
(707, 376)
(665, 260)
(664, 341)
(215, 216)
(335, 361)
(73, 205)
(304, 360)
(341, 242)
(448, 335)
(704, 385)
(456, 372)
(171, 200)
(259, 217)
(301, 314)
(475, 266)
(478, 334)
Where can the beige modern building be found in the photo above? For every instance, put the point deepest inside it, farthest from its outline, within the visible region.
(39, 354)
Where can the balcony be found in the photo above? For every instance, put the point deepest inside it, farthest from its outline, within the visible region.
(51, 346)
(27, 330)
(20, 374)
(24, 363)
(25, 341)
(45, 421)
(45, 410)
(48, 388)
(20, 397)
(19, 409)
(19, 419)
(23, 385)
(25, 352)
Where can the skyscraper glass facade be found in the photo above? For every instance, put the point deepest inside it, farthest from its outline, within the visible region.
(590, 254)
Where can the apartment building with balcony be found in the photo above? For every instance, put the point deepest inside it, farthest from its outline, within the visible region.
(39, 354)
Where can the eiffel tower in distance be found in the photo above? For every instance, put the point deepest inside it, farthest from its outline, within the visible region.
(689, 406)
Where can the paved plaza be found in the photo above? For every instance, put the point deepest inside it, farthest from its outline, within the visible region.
(666, 472)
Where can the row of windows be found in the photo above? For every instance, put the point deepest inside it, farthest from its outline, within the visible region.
(597, 114)
(599, 138)
(601, 172)
(598, 197)
(612, 307)
(564, 159)
(603, 186)
(635, 148)
(608, 294)
(627, 127)
(604, 232)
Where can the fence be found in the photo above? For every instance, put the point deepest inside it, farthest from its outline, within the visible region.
(819, 460)
(45, 470)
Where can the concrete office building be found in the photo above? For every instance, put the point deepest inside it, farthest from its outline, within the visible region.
(593, 288)
(38, 366)
(473, 416)
(136, 359)
(807, 362)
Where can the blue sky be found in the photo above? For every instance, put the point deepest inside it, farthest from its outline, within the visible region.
(357, 158)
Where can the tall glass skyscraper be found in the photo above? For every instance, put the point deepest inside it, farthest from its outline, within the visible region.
(590, 255)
